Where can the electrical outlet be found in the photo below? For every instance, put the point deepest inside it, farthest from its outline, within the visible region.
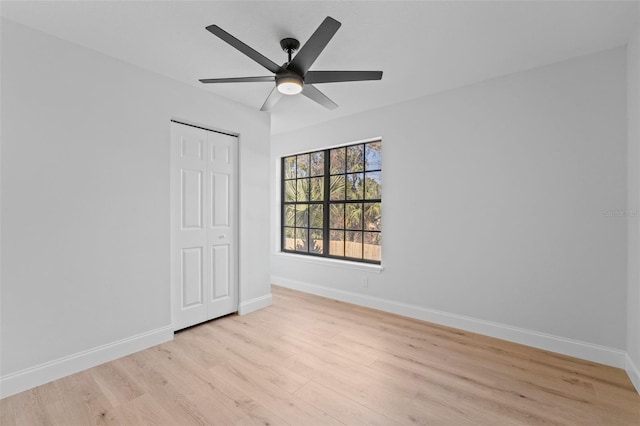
(365, 281)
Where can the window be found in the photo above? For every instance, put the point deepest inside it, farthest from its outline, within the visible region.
(332, 203)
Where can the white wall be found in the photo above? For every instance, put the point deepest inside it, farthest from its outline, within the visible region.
(85, 203)
(494, 208)
(633, 208)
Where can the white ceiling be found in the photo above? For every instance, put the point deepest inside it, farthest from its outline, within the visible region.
(422, 47)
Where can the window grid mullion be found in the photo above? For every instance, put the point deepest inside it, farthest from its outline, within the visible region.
(325, 202)
(364, 194)
(284, 206)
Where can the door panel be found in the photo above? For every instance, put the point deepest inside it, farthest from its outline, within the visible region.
(220, 271)
(223, 223)
(191, 145)
(203, 225)
(192, 276)
(220, 199)
(191, 199)
(221, 153)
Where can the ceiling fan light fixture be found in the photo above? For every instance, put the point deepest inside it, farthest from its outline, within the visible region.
(289, 85)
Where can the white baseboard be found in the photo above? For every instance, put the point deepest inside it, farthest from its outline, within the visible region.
(255, 304)
(40, 374)
(632, 371)
(575, 348)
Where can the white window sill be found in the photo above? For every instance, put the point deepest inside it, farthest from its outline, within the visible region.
(334, 263)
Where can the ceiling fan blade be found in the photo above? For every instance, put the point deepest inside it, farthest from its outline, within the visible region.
(250, 52)
(238, 79)
(339, 76)
(316, 95)
(272, 99)
(308, 53)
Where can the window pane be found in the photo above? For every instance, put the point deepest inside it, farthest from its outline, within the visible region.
(355, 186)
(337, 160)
(336, 216)
(316, 241)
(303, 165)
(316, 218)
(302, 215)
(289, 238)
(302, 237)
(336, 187)
(373, 185)
(317, 163)
(372, 246)
(302, 191)
(353, 217)
(355, 158)
(331, 202)
(290, 190)
(373, 157)
(353, 244)
(289, 215)
(317, 189)
(290, 167)
(372, 217)
(336, 243)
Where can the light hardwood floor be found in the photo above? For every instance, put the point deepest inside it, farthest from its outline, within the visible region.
(308, 360)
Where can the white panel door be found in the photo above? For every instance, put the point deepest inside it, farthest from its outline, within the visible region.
(204, 190)
(222, 224)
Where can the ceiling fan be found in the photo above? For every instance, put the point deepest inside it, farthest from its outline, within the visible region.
(293, 76)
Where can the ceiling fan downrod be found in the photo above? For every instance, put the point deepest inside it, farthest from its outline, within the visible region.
(289, 45)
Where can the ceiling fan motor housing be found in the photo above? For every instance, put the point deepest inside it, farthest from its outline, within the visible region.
(289, 83)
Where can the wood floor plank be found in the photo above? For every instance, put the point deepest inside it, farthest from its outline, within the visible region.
(190, 391)
(365, 386)
(344, 409)
(115, 383)
(254, 413)
(309, 360)
(275, 399)
(143, 410)
(79, 399)
(31, 408)
(282, 377)
(7, 412)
